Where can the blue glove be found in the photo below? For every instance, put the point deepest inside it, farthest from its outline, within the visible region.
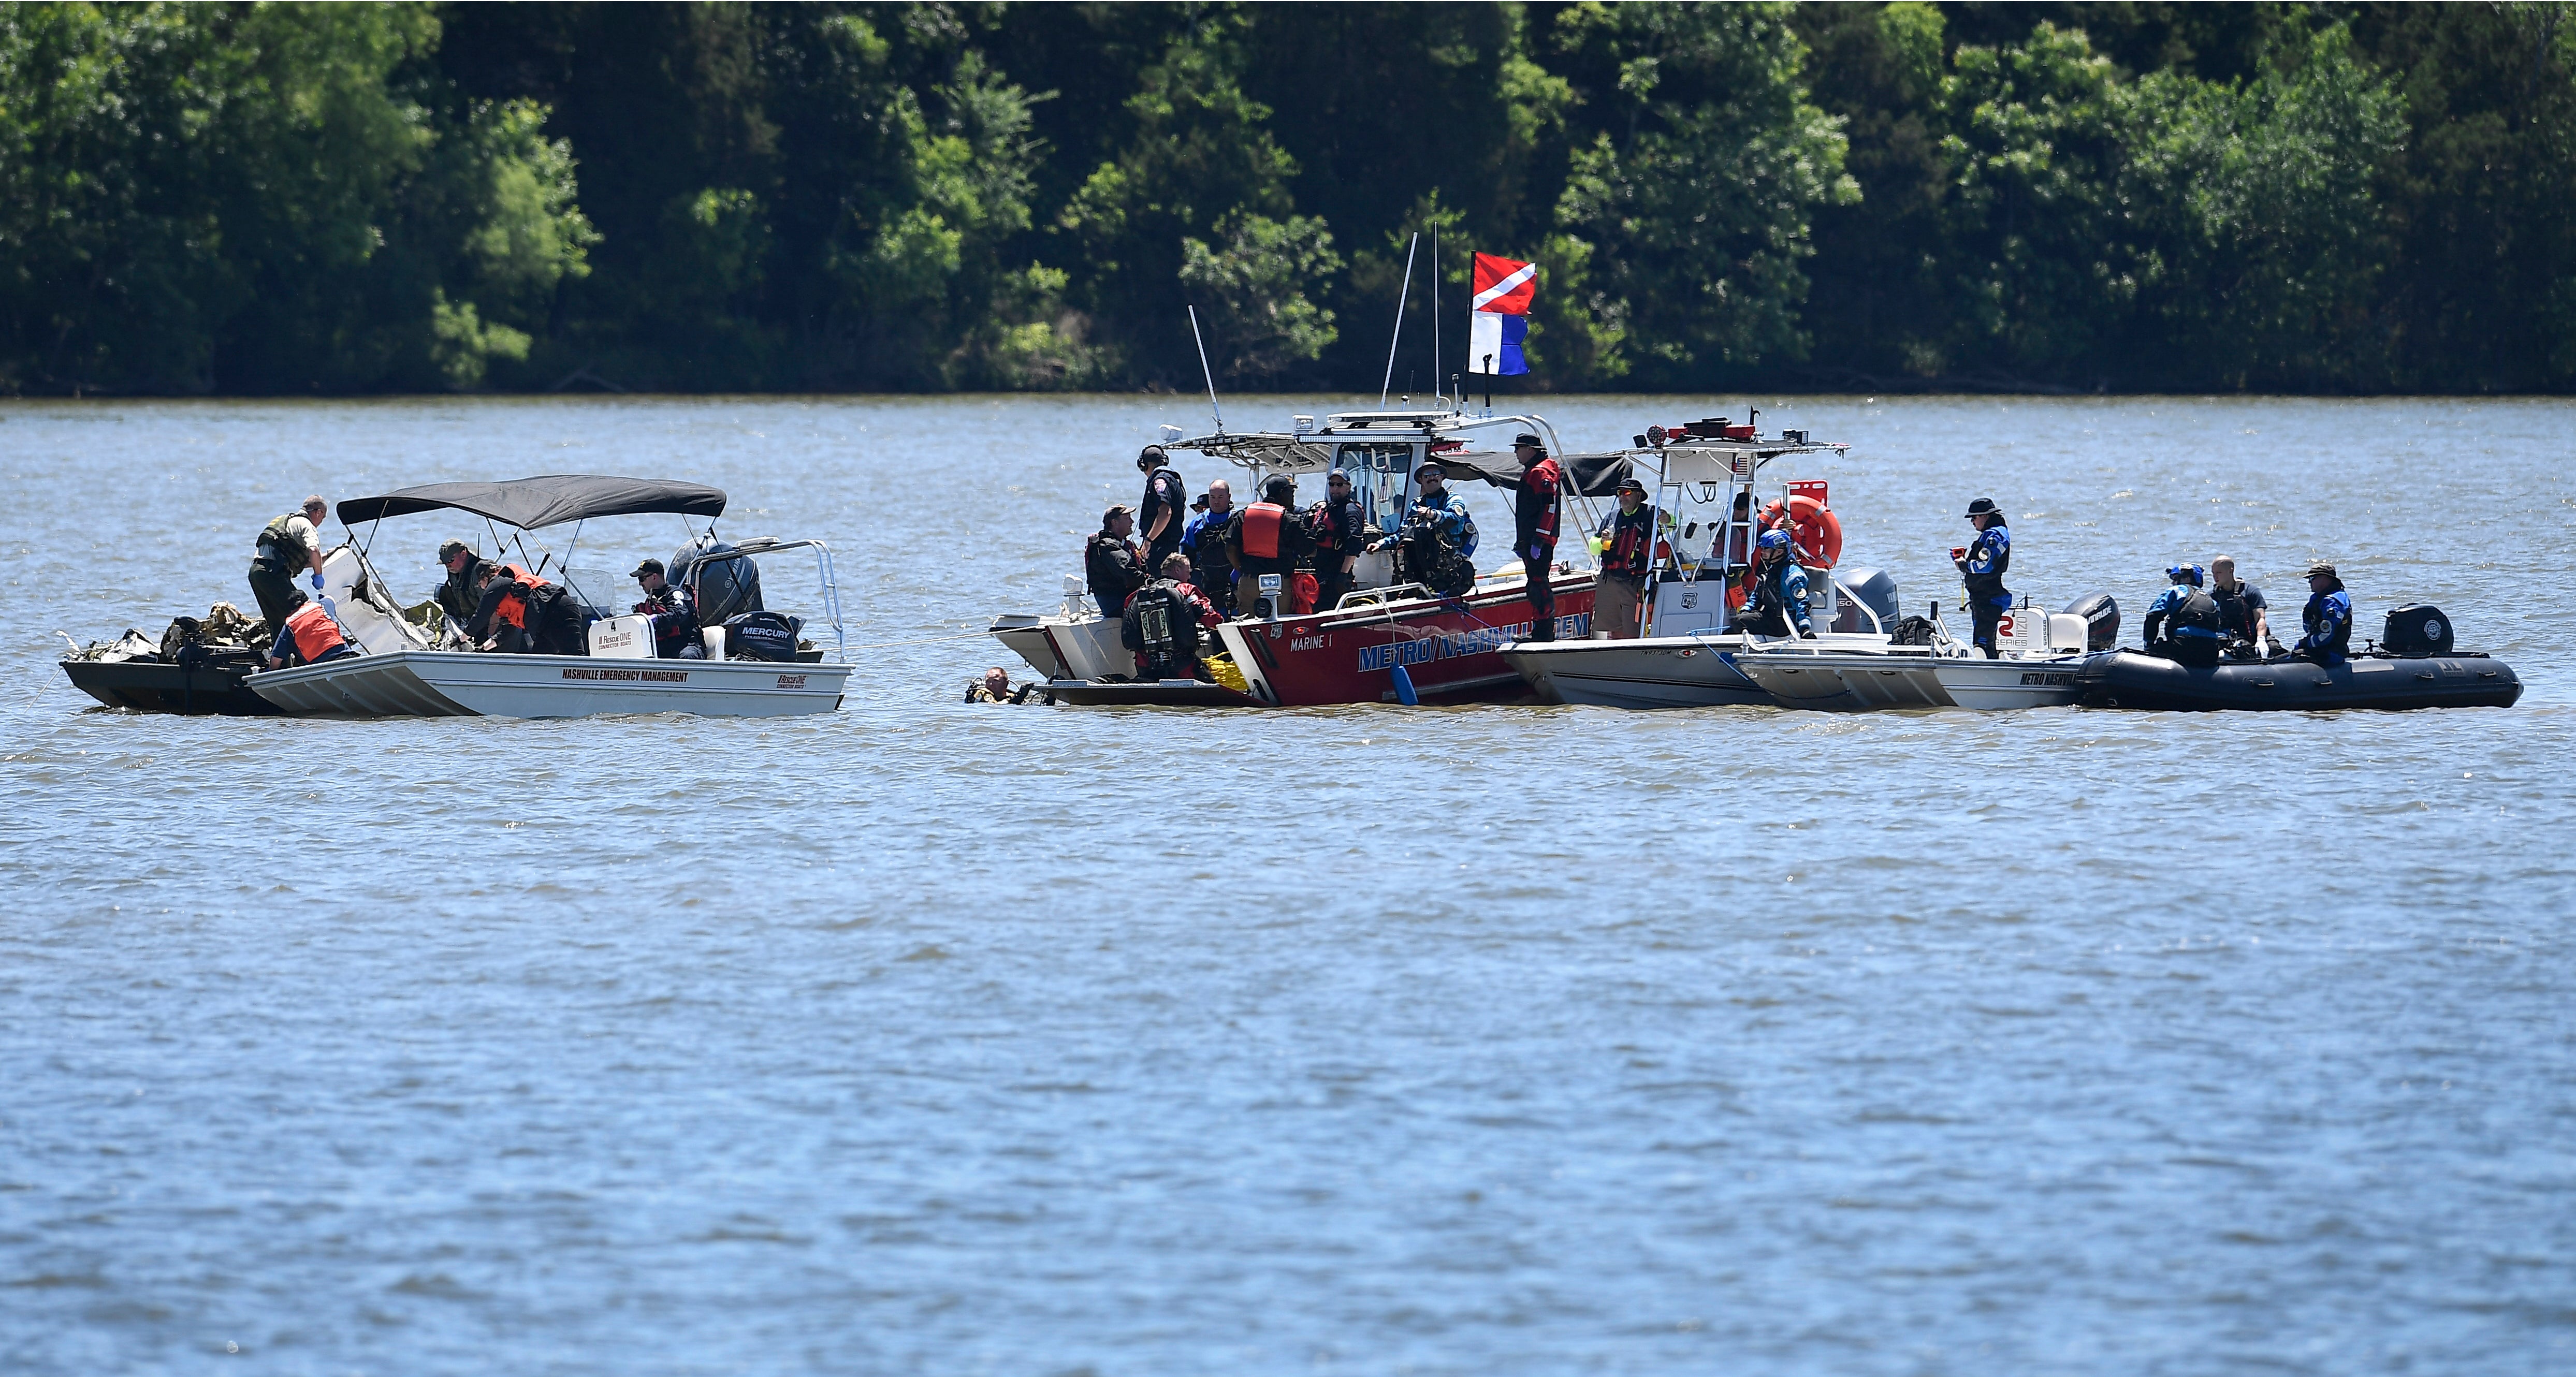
(317, 583)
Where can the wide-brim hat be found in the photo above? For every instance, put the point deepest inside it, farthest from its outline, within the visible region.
(1983, 506)
(1632, 481)
(1526, 438)
(1430, 466)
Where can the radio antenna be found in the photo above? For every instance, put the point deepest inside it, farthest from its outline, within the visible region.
(1435, 305)
(1205, 371)
(1400, 296)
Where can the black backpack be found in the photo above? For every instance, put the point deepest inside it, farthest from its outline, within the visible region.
(761, 636)
(1159, 625)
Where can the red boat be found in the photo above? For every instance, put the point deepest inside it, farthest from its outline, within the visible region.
(1447, 647)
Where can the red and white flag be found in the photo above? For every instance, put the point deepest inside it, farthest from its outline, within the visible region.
(1504, 287)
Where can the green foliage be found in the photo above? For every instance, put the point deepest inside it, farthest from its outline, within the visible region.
(348, 198)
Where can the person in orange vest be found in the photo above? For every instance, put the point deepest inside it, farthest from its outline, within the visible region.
(1270, 537)
(501, 621)
(309, 637)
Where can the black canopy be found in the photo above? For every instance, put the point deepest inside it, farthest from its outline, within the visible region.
(531, 503)
(1593, 475)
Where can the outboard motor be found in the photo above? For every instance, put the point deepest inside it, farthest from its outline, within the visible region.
(2418, 628)
(2101, 616)
(1871, 588)
(726, 588)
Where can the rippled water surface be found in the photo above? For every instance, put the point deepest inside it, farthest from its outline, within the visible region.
(937, 1039)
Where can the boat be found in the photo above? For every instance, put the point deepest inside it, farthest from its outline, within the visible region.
(2129, 678)
(2037, 657)
(1704, 475)
(1449, 648)
(206, 683)
(411, 669)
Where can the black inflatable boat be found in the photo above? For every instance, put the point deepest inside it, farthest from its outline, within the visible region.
(199, 686)
(2133, 679)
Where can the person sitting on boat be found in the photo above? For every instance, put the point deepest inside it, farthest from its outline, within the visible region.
(1270, 537)
(1538, 501)
(462, 593)
(1988, 556)
(2327, 617)
(1437, 542)
(286, 547)
(525, 614)
(1779, 591)
(1204, 543)
(1627, 539)
(309, 636)
(2244, 619)
(1163, 621)
(995, 687)
(675, 621)
(2188, 617)
(1339, 525)
(1112, 563)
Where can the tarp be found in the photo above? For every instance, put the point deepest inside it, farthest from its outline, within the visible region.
(533, 503)
(1593, 475)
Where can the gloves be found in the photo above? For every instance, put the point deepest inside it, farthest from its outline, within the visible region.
(317, 582)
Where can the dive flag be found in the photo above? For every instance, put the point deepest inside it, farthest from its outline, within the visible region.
(1494, 343)
(1498, 321)
(1503, 286)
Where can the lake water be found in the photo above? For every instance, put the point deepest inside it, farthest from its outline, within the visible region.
(922, 1038)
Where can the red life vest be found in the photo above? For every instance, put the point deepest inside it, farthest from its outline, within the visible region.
(1261, 529)
(316, 635)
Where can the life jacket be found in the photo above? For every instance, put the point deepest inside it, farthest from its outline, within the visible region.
(280, 546)
(2195, 615)
(1539, 501)
(512, 610)
(316, 635)
(1627, 552)
(1261, 523)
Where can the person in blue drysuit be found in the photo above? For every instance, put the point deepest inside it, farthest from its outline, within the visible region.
(1204, 543)
(2189, 617)
(1438, 536)
(1779, 591)
(2327, 617)
(1983, 568)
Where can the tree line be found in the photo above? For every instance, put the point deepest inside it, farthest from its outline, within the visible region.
(331, 199)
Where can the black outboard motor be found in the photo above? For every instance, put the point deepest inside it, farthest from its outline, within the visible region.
(1871, 588)
(2101, 616)
(762, 636)
(726, 588)
(2418, 628)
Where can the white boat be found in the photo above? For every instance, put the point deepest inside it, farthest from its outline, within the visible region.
(2035, 668)
(405, 669)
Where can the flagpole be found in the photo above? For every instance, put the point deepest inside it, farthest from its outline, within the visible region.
(1388, 385)
(1435, 306)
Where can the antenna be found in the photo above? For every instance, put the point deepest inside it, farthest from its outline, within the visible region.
(1410, 246)
(1435, 303)
(1205, 371)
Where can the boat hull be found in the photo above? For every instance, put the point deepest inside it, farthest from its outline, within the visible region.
(1846, 681)
(427, 683)
(2008, 685)
(1451, 648)
(151, 686)
(2130, 679)
(1652, 672)
(1166, 693)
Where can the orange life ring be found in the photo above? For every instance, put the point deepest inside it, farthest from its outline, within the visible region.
(1815, 532)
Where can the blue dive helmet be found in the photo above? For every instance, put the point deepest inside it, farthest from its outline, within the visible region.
(2185, 573)
(1775, 540)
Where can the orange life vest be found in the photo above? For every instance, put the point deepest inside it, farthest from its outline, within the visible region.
(513, 610)
(316, 635)
(1261, 529)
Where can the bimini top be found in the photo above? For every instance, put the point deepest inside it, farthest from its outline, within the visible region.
(532, 503)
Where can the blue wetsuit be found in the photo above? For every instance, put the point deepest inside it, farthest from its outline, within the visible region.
(1983, 569)
(1780, 602)
(2328, 619)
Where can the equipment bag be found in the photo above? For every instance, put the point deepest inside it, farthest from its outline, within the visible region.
(760, 636)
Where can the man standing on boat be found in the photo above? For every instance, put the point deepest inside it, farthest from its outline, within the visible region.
(1983, 567)
(1270, 537)
(1112, 563)
(287, 546)
(1627, 554)
(1336, 524)
(1537, 502)
(1165, 506)
(1204, 543)
(2327, 617)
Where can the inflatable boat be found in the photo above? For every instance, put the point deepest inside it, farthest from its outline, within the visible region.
(2133, 679)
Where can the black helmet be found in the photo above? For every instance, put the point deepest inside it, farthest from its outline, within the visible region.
(1279, 488)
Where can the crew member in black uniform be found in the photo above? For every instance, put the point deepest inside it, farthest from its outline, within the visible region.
(1983, 568)
(2189, 618)
(675, 622)
(1112, 563)
(461, 594)
(1538, 500)
(1340, 532)
(1270, 537)
(1163, 621)
(1162, 514)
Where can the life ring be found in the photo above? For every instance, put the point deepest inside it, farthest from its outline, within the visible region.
(1814, 530)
